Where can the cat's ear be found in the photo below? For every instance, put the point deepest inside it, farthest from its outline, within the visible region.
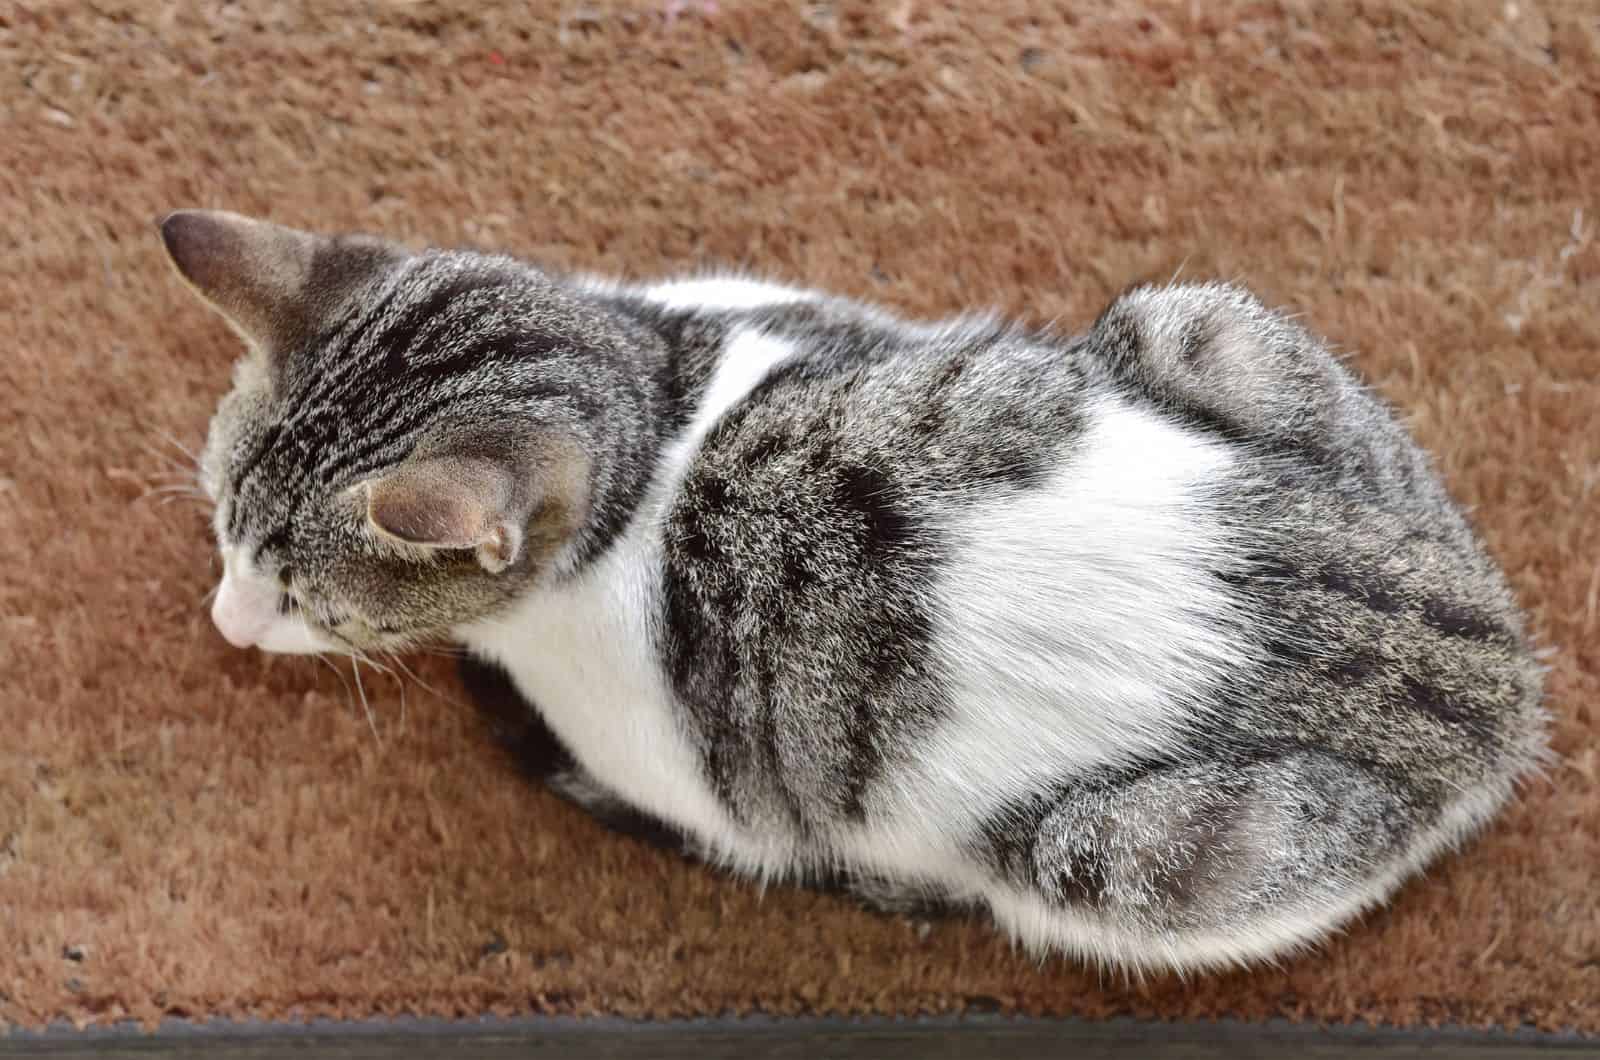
(506, 494)
(453, 502)
(275, 285)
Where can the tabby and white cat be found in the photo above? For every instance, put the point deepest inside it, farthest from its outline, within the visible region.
(1163, 643)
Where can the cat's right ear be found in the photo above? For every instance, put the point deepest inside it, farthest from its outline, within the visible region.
(456, 503)
(275, 285)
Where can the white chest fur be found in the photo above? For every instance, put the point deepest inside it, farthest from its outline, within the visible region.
(585, 653)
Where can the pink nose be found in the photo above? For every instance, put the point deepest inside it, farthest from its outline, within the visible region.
(243, 610)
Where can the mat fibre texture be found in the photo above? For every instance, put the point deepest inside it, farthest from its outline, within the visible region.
(189, 830)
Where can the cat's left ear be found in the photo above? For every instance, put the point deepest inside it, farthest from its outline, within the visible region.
(275, 285)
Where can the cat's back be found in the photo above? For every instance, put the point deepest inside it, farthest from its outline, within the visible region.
(1186, 531)
(876, 525)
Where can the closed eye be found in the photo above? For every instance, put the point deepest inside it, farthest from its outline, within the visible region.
(288, 605)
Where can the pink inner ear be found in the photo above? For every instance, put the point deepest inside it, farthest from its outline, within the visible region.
(444, 502)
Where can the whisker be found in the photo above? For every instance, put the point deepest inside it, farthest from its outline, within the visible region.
(176, 487)
(204, 502)
(350, 699)
(179, 446)
(172, 486)
(421, 683)
(370, 661)
(387, 671)
(399, 683)
(402, 686)
(355, 668)
(166, 457)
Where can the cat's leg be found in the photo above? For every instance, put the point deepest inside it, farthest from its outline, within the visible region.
(1214, 355)
(522, 731)
(576, 785)
(512, 720)
(1207, 864)
(892, 897)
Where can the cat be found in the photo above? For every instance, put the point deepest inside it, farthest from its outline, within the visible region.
(1162, 643)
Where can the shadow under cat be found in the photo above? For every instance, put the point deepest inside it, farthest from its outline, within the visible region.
(517, 727)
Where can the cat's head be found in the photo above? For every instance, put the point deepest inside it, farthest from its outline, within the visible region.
(405, 446)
